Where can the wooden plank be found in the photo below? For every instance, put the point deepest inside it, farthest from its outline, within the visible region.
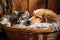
(20, 5)
(54, 5)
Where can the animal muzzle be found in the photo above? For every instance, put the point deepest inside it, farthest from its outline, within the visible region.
(28, 22)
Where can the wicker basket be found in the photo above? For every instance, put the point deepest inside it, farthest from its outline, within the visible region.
(19, 34)
(1, 28)
(30, 34)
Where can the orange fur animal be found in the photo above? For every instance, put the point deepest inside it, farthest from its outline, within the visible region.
(43, 15)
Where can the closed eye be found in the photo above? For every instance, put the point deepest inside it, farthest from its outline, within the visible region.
(37, 17)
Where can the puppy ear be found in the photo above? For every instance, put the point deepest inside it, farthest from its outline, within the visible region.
(45, 17)
(35, 11)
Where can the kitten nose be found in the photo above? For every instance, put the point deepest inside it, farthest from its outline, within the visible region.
(28, 22)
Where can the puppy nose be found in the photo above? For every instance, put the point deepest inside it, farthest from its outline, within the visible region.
(28, 22)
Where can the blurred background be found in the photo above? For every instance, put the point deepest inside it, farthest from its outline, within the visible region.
(23, 5)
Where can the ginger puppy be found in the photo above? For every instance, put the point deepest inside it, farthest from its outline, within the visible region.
(43, 15)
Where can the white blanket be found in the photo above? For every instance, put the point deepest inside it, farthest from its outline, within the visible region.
(53, 26)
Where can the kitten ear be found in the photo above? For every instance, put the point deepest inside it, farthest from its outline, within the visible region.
(16, 12)
(27, 12)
